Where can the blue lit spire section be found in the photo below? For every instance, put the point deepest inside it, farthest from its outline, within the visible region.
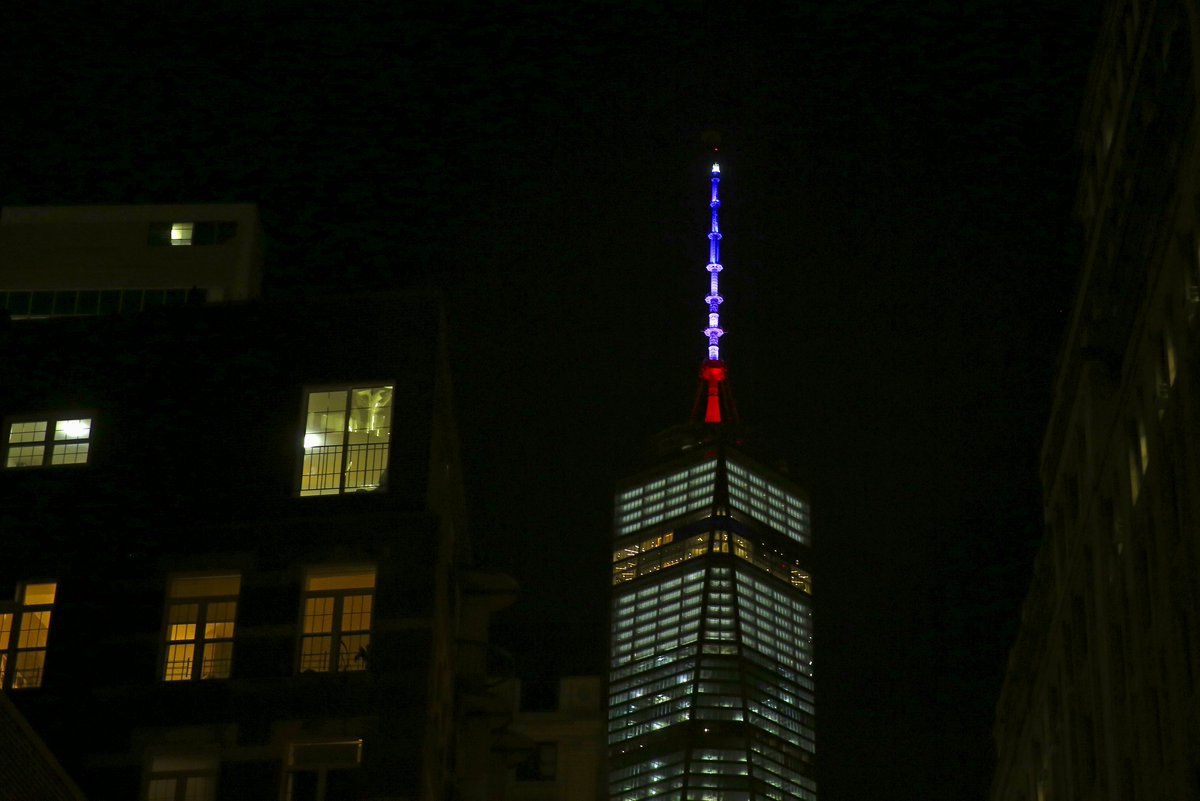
(714, 299)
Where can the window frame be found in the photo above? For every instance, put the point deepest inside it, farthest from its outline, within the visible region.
(199, 641)
(336, 634)
(10, 653)
(210, 770)
(320, 769)
(348, 387)
(48, 443)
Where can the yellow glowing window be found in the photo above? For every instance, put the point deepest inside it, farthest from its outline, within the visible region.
(336, 625)
(24, 633)
(201, 611)
(346, 437)
(182, 777)
(181, 233)
(36, 443)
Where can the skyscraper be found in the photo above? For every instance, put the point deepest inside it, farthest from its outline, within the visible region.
(711, 677)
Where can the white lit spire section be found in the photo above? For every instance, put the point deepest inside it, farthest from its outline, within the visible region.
(714, 299)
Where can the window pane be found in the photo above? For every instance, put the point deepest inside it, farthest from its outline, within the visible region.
(26, 455)
(71, 453)
(5, 630)
(40, 594)
(200, 788)
(28, 671)
(182, 622)
(131, 301)
(28, 432)
(352, 652)
(219, 620)
(302, 786)
(356, 613)
(181, 233)
(64, 303)
(218, 658)
(110, 301)
(88, 303)
(73, 429)
(314, 654)
(18, 303)
(161, 790)
(318, 615)
(42, 304)
(179, 662)
(35, 629)
(346, 438)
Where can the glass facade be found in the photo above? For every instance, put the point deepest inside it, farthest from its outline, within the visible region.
(666, 498)
(711, 693)
(767, 502)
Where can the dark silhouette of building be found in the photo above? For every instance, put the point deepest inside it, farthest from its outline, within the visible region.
(235, 541)
(711, 691)
(1100, 698)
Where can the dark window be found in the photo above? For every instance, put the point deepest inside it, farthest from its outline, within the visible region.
(131, 301)
(88, 303)
(541, 765)
(42, 304)
(110, 301)
(64, 303)
(18, 303)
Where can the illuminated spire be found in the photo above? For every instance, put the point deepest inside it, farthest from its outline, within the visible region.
(714, 299)
(714, 403)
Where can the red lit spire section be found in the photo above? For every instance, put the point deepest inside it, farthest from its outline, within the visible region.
(712, 373)
(713, 399)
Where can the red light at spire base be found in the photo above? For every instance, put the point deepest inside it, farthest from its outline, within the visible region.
(712, 373)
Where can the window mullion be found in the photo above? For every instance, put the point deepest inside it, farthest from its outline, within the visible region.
(345, 440)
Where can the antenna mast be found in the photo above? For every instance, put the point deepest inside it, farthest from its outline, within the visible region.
(714, 299)
(714, 396)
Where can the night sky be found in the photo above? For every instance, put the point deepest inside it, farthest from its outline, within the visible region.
(899, 247)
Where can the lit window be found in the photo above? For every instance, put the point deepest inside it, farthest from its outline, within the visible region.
(181, 233)
(337, 620)
(35, 443)
(200, 618)
(24, 629)
(346, 438)
(182, 778)
(324, 771)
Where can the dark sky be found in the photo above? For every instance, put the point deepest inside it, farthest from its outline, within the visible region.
(899, 255)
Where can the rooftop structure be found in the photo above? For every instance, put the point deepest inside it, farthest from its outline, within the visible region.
(97, 260)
